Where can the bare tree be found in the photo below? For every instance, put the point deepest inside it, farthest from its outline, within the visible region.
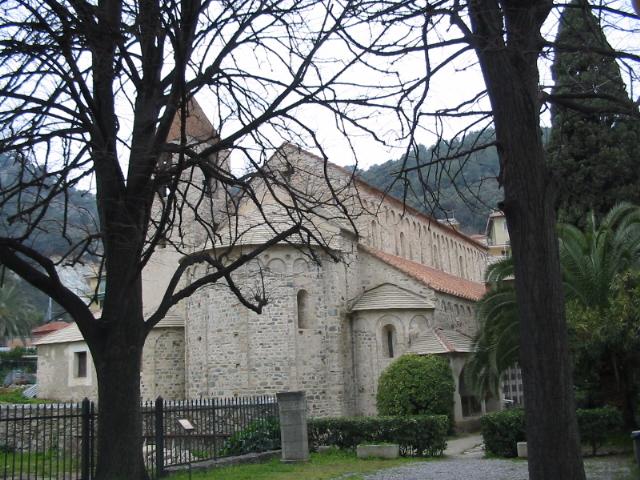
(506, 41)
(101, 93)
(91, 91)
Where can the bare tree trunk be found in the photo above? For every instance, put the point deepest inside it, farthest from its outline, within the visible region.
(119, 417)
(117, 353)
(509, 66)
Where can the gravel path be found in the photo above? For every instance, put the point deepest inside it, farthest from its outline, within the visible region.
(606, 468)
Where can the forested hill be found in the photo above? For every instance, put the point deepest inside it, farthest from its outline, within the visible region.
(79, 207)
(465, 188)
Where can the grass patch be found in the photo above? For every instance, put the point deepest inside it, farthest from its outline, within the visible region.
(322, 466)
(14, 395)
(616, 467)
(619, 440)
(48, 463)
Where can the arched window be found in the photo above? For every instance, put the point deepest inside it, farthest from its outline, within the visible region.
(403, 245)
(276, 265)
(461, 266)
(388, 340)
(300, 266)
(304, 314)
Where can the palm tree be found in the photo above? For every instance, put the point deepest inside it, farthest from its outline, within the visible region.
(591, 260)
(17, 315)
(497, 342)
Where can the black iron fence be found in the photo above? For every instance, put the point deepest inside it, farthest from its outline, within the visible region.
(57, 441)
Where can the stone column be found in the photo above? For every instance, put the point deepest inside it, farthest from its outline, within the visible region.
(293, 426)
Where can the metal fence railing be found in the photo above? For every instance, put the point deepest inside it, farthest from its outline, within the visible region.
(51, 441)
(215, 423)
(57, 441)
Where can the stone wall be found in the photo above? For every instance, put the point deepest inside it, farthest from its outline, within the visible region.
(162, 370)
(41, 429)
(371, 354)
(56, 377)
(411, 235)
(234, 351)
(385, 223)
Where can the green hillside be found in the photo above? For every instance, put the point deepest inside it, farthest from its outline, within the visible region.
(79, 210)
(75, 215)
(465, 186)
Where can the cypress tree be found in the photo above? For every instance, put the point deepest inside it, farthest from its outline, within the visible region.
(594, 148)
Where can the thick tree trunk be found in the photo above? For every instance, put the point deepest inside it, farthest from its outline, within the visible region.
(119, 444)
(117, 354)
(509, 66)
(552, 434)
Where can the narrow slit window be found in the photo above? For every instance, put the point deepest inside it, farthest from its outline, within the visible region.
(81, 364)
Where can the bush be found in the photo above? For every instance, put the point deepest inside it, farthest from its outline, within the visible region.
(259, 436)
(596, 424)
(503, 430)
(416, 385)
(423, 435)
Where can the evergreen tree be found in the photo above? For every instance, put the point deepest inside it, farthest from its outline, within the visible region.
(594, 150)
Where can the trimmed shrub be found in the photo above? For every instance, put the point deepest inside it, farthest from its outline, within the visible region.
(596, 424)
(416, 385)
(503, 430)
(423, 435)
(259, 436)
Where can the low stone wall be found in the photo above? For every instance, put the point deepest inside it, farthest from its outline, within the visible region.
(41, 428)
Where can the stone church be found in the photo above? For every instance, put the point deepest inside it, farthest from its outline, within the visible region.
(385, 281)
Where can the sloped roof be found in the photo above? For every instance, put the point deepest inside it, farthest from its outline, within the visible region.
(441, 340)
(68, 334)
(197, 125)
(71, 333)
(388, 296)
(49, 327)
(387, 197)
(436, 279)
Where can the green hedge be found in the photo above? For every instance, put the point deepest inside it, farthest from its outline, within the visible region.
(259, 436)
(416, 385)
(503, 430)
(596, 424)
(420, 435)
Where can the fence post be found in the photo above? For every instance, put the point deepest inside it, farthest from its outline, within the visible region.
(85, 457)
(159, 431)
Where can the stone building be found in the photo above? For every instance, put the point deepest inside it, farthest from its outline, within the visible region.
(403, 282)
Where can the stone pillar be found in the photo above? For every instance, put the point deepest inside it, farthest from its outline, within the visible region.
(293, 426)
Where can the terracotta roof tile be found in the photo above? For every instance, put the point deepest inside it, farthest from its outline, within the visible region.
(70, 333)
(436, 279)
(48, 328)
